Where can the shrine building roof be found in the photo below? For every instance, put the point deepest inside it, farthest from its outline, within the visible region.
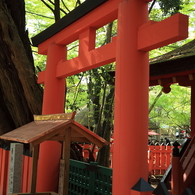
(177, 66)
(53, 127)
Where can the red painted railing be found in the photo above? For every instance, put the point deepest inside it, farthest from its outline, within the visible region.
(159, 158)
(26, 174)
(4, 169)
(187, 167)
(4, 164)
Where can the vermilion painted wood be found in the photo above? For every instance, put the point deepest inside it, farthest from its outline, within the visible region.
(1, 153)
(87, 60)
(131, 99)
(188, 157)
(26, 174)
(4, 172)
(152, 34)
(53, 102)
(54, 88)
(192, 133)
(175, 176)
(1, 170)
(157, 163)
(87, 40)
(29, 173)
(99, 17)
(146, 42)
(163, 154)
(187, 168)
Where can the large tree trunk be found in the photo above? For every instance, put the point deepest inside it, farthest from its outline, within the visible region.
(20, 95)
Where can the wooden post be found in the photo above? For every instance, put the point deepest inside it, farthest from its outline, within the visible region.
(192, 109)
(131, 100)
(4, 171)
(53, 102)
(136, 36)
(35, 157)
(175, 176)
(64, 164)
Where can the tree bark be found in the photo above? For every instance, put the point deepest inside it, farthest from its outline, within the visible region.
(20, 95)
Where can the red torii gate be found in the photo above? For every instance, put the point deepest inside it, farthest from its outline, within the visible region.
(136, 36)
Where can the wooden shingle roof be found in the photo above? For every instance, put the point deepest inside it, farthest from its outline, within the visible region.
(177, 66)
(49, 127)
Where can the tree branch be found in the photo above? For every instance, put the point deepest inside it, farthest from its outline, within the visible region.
(47, 5)
(39, 15)
(152, 5)
(65, 6)
(155, 100)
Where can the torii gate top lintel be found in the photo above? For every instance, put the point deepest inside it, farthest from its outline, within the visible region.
(83, 27)
(67, 20)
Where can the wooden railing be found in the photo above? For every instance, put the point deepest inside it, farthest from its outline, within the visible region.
(4, 164)
(159, 158)
(4, 169)
(187, 166)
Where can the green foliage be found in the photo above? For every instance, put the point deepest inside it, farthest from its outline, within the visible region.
(172, 109)
(165, 8)
(170, 6)
(76, 92)
(38, 17)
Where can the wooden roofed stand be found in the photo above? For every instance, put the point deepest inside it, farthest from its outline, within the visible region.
(56, 127)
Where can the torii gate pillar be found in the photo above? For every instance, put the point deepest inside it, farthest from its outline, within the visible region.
(131, 99)
(136, 36)
(54, 98)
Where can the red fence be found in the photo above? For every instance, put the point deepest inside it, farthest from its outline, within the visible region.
(159, 158)
(4, 169)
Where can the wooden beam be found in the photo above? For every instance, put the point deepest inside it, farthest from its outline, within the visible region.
(60, 116)
(88, 136)
(92, 59)
(96, 19)
(67, 20)
(159, 34)
(50, 135)
(87, 40)
(80, 139)
(183, 80)
(88, 60)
